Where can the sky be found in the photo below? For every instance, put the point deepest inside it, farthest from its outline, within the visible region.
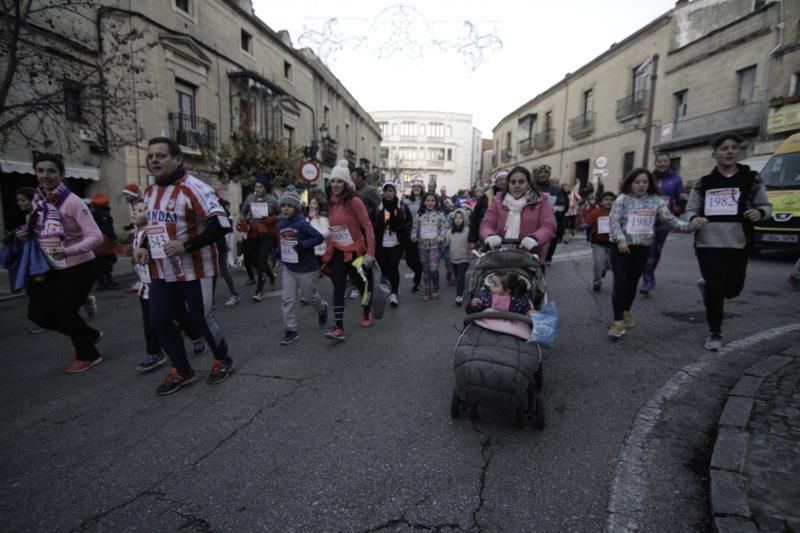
(421, 56)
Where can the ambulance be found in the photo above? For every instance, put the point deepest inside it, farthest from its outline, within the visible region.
(781, 175)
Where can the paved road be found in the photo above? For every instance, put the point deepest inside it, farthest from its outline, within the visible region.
(357, 436)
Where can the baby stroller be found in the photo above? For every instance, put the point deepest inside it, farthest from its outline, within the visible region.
(494, 365)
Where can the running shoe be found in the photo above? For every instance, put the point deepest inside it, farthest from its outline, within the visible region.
(79, 365)
(435, 295)
(289, 337)
(233, 300)
(174, 381)
(627, 319)
(416, 288)
(617, 330)
(90, 306)
(459, 300)
(220, 371)
(355, 294)
(250, 281)
(198, 346)
(151, 362)
(366, 317)
(393, 300)
(713, 342)
(644, 292)
(99, 337)
(336, 334)
(426, 295)
(257, 297)
(322, 317)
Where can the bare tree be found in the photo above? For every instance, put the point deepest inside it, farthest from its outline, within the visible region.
(70, 66)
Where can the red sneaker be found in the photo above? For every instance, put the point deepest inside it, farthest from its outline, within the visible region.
(336, 334)
(366, 318)
(79, 365)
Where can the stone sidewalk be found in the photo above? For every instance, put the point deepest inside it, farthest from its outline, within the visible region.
(755, 468)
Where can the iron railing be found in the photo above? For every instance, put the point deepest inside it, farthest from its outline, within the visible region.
(544, 140)
(582, 125)
(329, 152)
(742, 118)
(632, 106)
(193, 131)
(526, 146)
(506, 155)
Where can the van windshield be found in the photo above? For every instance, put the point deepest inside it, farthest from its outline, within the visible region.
(782, 172)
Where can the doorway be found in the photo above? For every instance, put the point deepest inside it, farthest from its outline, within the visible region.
(582, 176)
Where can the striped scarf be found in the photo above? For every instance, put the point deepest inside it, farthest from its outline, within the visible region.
(46, 204)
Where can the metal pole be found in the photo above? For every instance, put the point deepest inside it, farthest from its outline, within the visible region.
(649, 125)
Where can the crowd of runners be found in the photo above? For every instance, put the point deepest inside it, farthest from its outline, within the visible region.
(182, 245)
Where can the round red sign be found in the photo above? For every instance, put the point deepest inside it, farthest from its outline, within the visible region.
(309, 170)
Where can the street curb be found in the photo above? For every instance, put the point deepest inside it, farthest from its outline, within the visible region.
(729, 484)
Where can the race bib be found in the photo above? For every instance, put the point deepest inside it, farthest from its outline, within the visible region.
(722, 201)
(603, 226)
(157, 238)
(142, 272)
(259, 209)
(389, 239)
(428, 229)
(341, 235)
(288, 251)
(50, 246)
(641, 222)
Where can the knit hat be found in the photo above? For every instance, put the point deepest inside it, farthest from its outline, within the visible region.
(500, 174)
(99, 200)
(389, 185)
(542, 168)
(265, 180)
(418, 181)
(342, 172)
(290, 197)
(131, 192)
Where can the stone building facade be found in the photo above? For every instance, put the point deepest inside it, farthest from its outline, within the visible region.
(703, 68)
(442, 148)
(214, 69)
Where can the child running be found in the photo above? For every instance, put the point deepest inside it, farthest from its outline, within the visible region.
(155, 357)
(429, 232)
(460, 250)
(597, 222)
(633, 218)
(503, 291)
(298, 240)
(317, 215)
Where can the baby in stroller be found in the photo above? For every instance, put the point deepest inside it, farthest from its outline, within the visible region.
(502, 291)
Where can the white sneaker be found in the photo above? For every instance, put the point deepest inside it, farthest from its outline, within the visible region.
(233, 300)
(459, 300)
(355, 294)
(257, 297)
(393, 300)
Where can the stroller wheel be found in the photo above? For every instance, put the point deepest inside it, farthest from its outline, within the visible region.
(455, 405)
(519, 418)
(538, 378)
(539, 414)
(473, 412)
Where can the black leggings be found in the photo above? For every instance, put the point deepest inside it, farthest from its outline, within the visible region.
(55, 304)
(461, 273)
(724, 271)
(389, 261)
(627, 269)
(413, 262)
(339, 272)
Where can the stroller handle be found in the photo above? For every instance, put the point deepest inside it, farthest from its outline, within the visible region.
(503, 315)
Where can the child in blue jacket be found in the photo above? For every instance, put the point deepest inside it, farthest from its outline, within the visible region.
(298, 239)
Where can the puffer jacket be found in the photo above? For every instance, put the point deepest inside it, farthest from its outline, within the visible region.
(536, 220)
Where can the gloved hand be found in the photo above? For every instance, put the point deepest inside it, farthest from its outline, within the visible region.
(368, 260)
(494, 241)
(529, 243)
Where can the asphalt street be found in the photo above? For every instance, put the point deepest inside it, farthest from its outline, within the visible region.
(358, 437)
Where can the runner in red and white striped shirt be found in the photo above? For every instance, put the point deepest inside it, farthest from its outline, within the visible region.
(184, 219)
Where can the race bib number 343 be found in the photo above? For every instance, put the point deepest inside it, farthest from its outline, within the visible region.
(157, 239)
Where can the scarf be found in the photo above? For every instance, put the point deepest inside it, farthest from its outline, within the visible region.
(45, 205)
(169, 180)
(511, 231)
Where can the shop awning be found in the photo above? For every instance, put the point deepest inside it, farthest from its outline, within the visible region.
(26, 167)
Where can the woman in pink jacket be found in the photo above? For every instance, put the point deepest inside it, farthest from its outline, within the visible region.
(67, 234)
(519, 213)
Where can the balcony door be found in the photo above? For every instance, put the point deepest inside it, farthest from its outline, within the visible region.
(185, 119)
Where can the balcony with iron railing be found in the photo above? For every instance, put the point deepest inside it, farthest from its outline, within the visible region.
(193, 131)
(545, 139)
(582, 125)
(506, 155)
(631, 106)
(743, 119)
(329, 152)
(526, 146)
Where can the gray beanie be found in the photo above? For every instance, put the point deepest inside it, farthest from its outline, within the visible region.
(290, 197)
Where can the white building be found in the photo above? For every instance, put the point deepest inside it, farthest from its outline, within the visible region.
(439, 147)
